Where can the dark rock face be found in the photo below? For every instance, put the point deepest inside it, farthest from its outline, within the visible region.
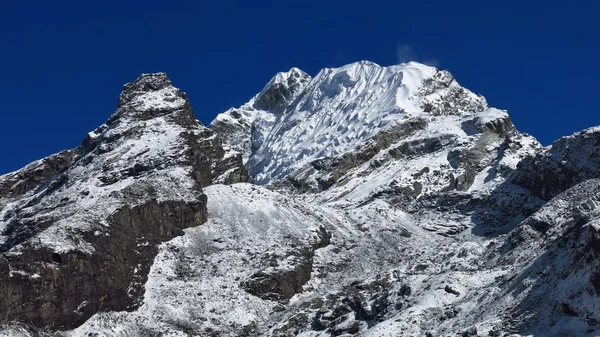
(451, 290)
(32, 176)
(277, 95)
(208, 160)
(282, 283)
(569, 161)
(62, 290)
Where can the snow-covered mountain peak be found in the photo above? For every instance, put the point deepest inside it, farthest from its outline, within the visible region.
(373, 85)
(364, 87)
(296, 119)
(369, 68)
(144, 86)
(337, 110)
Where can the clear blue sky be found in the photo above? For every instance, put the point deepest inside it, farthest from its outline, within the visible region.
(64, 62)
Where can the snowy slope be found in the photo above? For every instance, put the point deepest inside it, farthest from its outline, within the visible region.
(195, 283)
(381, 274)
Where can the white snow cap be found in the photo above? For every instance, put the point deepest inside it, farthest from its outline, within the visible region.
(296, 119)
(340, 108)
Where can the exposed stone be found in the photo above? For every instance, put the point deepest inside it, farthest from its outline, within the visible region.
(281, 90)
(470, 332)
(281, 284)
(451, 290)
(455, 101)
(35, 174)
(129, 107)
(62, 290)
(569, 161)
(405, 290)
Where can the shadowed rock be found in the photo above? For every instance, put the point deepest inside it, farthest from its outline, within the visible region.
(62, 290)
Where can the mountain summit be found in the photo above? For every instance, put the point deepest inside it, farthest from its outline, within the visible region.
(364, 201)
(339, 109)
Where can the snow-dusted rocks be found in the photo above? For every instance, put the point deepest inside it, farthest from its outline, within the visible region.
(33, 175)
(388, 201)
(570, 160)
(79, 230)
(216, 279)
(150, 96)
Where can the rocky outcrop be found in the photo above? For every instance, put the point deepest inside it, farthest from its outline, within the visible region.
(32, 176)
(567, 162)
(151, 96)
(452, 99)
(282, 282)
(280, 92)
(495, 136)
(210, 162)
(357, 306)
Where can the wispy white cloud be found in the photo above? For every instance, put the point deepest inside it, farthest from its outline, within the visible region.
(432, 62)
(406, 53)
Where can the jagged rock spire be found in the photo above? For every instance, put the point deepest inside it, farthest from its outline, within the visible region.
(153, 95)
(135, 182)
(144, 84)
